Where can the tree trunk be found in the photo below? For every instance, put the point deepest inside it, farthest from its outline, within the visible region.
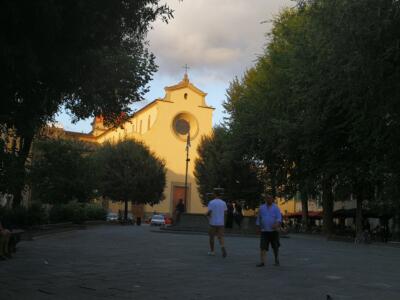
(359, 217)
(25, 144)
(104, 203)
(327, 205)
(126, 211)
(273, 185)
(396, 225)
(304, 210)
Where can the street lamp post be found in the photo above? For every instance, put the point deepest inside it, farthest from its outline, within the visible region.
(187, 165)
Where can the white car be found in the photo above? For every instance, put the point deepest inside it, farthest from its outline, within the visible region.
(112, 217)
(157, 220)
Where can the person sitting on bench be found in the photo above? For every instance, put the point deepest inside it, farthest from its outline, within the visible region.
(4, 242)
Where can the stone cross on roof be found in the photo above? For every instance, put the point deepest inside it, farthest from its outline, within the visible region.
(186, 77)
(186, 67)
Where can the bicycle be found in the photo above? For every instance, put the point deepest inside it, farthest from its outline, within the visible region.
(364, 237)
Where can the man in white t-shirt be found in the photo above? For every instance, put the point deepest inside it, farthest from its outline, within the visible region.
(216, 215)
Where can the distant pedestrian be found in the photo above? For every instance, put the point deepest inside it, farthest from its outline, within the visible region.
(4, 242)
(216, 215)
(229, 215)
(268, 222)
(367, 225)
(385, 230)
(238, 214)
(179, 210)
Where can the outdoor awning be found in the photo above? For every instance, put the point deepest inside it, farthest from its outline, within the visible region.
(311, 215)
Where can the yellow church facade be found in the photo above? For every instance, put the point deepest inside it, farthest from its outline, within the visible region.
(164, 125)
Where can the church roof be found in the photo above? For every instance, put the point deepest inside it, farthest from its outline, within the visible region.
(88, 137)
(185, 83)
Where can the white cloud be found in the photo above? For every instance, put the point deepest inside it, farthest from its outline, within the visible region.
(218, 39)
(213, 36)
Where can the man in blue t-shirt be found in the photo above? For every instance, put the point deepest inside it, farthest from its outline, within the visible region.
(268, 222)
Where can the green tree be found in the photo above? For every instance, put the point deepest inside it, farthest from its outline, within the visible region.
(129, 171)
(61, 171)
(9, 172)
(359, 56)
(262, 118)
(220, 165)
(319, 109)
(89, 56)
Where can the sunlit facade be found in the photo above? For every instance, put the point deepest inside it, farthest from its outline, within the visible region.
(163, 125)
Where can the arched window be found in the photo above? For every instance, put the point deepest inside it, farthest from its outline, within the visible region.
(148, 122)
(185, 96)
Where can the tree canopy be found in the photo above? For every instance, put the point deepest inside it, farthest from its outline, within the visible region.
(61, 171)
(319, 110)
(89, 56)
(219, 165)
(129, 172)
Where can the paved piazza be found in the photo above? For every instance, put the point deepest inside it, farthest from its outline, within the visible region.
(130, 262)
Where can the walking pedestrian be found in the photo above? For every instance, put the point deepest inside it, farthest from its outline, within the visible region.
(179, 210)
(4, 242)
(229, 215)
(268, 222)
(216, 216)
(238, 214)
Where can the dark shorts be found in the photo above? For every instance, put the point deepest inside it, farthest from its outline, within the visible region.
(216, 231)
(269, 237)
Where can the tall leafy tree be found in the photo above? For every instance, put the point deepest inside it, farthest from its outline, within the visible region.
(262, 117)
(319, 108)
(61, 171)
(129, 172)
(89, 56)
(221, 165)
(359, 54)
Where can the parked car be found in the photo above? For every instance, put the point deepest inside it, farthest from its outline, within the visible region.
(168, 220)
(112, 217)
(157, 220)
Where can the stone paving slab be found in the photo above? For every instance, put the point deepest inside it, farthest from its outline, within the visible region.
(130, 262)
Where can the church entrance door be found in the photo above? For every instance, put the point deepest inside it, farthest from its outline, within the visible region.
(178, 193)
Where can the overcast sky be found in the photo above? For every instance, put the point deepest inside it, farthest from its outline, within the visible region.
(217, 39)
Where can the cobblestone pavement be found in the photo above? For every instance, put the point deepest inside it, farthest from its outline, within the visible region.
(130, 262)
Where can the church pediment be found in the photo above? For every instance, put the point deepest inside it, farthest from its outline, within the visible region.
(185, 83)
(187, 91)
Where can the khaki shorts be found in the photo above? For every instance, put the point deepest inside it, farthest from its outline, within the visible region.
(216, 230)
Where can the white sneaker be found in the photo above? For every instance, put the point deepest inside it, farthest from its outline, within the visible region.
(211, 253)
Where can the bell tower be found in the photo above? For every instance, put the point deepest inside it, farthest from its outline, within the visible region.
(98, 126)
